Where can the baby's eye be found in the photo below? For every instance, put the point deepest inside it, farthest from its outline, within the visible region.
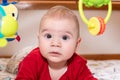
(48, 36)
(65, 37)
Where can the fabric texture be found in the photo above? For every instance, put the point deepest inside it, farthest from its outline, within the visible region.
(12, 64)
(35, 67)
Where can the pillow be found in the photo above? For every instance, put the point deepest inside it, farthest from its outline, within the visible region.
(12, 65)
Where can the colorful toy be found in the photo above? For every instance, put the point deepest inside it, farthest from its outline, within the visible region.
(96, 25)
(8, 23)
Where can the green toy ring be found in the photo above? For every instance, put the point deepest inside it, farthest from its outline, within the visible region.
(80, 6)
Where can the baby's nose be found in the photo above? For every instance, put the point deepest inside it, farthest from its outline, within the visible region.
(55, 43)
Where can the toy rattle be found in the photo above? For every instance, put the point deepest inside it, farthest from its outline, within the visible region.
(8, 23)
(96, 25)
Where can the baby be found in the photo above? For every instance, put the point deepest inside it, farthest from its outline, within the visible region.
(56, 57)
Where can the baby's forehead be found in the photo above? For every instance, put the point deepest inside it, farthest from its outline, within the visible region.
(59, 26)
(55, 21)
(59, 22)
(60, 13)
(59, 19)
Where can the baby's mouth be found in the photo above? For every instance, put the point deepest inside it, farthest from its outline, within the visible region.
(55, 53)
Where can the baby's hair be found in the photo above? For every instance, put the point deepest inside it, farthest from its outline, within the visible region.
(61, 12)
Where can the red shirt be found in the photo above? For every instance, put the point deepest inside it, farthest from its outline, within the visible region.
(35, 67)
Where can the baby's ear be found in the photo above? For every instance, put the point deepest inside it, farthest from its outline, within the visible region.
(78, 43)
(38, 35)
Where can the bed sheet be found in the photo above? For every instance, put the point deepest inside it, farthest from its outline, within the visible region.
(105, 69)
(102, 69)
(4, 75)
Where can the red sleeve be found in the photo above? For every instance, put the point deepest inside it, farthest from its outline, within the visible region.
(77, 69)
(86, 74)
(81, 71)
(28, 68)
(26, 73)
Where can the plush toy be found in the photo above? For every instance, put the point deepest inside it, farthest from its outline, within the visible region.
(8, 23)
(96, 25)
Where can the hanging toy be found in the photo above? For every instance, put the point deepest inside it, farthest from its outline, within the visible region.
(8, 23)
(96, 25)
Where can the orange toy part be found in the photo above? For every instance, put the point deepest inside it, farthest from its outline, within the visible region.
(102, 24)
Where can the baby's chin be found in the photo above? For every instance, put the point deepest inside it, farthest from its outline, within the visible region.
(56, 60)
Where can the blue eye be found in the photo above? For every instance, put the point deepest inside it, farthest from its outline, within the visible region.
(48, 36)
(65, 37)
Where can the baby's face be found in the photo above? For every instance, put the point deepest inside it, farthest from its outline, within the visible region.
(58, 39)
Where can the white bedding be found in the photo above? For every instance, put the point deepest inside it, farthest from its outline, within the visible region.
(4, 75)
(106, 69)
(103, 70)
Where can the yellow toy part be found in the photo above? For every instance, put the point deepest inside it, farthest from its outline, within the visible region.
(9, 29)
(8, 23)
(9, 26)
(3, 42)
(95, 26)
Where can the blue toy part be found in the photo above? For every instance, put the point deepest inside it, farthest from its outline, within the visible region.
(1, 35)
(17, 37)
(2, 12)
(4, 3)
(8, 23)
